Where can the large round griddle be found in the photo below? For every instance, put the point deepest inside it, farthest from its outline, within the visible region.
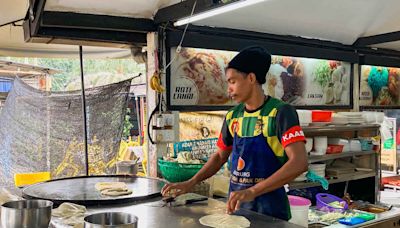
(81, 190)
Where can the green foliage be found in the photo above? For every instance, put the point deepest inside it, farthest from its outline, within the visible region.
(322, 73)
(127, 124)
(70, 68)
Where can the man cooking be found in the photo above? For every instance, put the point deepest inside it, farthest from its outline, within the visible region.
(264, 138)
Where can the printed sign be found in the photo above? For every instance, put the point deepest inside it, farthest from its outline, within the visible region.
(198, 79)
(201, 149)
(379, 86)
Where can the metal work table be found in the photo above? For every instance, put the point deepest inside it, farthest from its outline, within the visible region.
(152, 214)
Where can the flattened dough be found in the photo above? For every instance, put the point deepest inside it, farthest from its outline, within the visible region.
(110, 185)
(224, 221)
(68, 210)
(116, 192)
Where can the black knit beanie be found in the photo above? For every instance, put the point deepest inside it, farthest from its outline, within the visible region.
(252, 59)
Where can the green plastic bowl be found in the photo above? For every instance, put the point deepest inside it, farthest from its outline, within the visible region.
(177, 172)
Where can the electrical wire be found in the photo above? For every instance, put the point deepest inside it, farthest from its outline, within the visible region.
(149, 122)
(161, 49)
(179, 48)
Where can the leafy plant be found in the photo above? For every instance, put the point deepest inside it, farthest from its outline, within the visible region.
(127, 124)
(322, 73)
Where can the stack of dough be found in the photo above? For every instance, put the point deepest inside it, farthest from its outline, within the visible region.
(113, 188)
(69, 214)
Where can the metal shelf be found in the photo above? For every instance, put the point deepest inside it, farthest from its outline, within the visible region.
(340, 178)
(326, 157)
(336, 128)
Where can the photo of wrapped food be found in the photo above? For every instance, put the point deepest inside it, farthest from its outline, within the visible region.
(333, 78)
(394, 83)
(384, 84)
(365, 90)
(285, 79)
(207, 69)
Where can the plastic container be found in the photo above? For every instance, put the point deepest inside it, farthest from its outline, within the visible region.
(309, 144)
(299, 208)
(317, 166)
(177, 172)
(24, 179)
(304, 117)
(318, 169)
(323, 201)
(320, 144)
(366, 144)
(355, 145)
(351, 221)
(339, 141)
(334, 149)
(321, 116)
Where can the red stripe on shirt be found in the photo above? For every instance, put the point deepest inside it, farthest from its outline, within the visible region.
(221, 144)
(294, 134)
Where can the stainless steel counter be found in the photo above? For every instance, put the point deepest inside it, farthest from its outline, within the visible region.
(153, 215)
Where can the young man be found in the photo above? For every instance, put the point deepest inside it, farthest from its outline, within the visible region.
(264, 137)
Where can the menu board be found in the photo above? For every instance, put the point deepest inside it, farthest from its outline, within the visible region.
(197, 78)
(379, 86)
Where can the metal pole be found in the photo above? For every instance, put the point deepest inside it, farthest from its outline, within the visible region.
(84, 112)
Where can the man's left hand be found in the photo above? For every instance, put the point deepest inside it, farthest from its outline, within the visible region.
(238, 197)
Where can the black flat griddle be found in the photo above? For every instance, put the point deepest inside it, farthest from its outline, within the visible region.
(81, 190)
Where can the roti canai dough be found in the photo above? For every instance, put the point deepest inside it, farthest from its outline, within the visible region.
(68, 210)
(224, 221)
(69, 214)
(116, 192)
(113, 188)
(110, 185)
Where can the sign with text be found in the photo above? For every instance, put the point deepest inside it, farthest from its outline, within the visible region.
(197, 78)
(201, 149)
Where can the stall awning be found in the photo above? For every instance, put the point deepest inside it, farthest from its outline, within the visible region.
(369, 23)
(12, 69)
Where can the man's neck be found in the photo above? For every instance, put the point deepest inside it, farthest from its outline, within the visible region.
(256, 100)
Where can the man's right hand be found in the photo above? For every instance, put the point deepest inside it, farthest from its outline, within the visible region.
(176, 189)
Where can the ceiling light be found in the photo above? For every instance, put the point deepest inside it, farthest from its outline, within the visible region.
(219, 10)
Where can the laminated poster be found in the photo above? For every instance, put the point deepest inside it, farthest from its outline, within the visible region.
(198, 78)
(379, 86)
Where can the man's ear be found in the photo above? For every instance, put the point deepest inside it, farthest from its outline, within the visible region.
(252, 77)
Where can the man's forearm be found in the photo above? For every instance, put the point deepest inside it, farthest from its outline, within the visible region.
(210, 168)
(284, 175)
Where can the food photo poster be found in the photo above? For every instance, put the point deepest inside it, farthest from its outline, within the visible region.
(197, 78)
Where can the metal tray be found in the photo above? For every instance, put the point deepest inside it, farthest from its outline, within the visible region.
(81, 190)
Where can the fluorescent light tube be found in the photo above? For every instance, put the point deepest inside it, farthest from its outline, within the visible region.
(219, 10)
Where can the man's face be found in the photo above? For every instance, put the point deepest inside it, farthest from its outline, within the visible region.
(239, 85)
